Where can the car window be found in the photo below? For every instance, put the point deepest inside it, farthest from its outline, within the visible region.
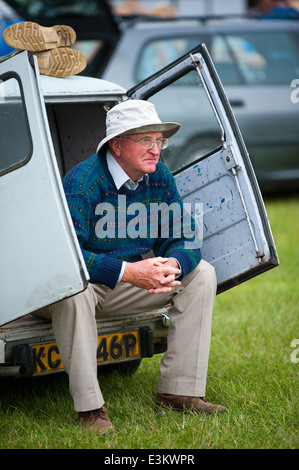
(15, 136)
(186, 101)
(157, 54)
(224, 61)
(264, 58)
(90, 48)
(243, 58)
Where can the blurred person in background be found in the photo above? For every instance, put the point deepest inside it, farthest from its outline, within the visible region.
(7, 17)
(274, 9)
(136, 7)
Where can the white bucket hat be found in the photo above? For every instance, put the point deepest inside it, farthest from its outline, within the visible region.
(134, 117)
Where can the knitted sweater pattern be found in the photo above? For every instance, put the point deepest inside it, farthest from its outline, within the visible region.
(113, 225)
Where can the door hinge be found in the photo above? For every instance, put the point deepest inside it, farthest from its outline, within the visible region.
(196, 60)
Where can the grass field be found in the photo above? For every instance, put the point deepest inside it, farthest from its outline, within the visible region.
(253, 371)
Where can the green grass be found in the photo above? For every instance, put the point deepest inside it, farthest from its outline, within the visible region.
(250, 372)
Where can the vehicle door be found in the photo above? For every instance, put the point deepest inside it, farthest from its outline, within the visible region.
(41, 261)
(212, 168)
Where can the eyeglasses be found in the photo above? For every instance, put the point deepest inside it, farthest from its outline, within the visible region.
(148, 143)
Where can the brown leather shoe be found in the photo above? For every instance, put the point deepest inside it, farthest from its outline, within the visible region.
(181, 403)
(61, 62)
(96, 419)
(33, 37)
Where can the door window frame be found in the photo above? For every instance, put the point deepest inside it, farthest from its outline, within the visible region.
(4, 78)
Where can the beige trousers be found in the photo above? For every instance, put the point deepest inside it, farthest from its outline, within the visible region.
(183, 368)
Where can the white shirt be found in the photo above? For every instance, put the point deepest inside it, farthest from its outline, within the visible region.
(120, 179)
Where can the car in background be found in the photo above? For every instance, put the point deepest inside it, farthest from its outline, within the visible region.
(258, 64)
(257, 61)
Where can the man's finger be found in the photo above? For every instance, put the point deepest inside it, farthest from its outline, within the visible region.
(166, 270)
(170, 280)
(160, 290)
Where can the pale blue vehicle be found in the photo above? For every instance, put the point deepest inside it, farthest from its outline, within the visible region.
(47, 125)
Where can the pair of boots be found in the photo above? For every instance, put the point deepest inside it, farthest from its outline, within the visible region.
(50, 45)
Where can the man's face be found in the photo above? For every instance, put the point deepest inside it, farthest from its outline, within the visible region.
(132, 157)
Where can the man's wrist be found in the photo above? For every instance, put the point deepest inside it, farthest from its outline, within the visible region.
(123, 267)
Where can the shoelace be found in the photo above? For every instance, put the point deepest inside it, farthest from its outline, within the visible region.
(100, 413)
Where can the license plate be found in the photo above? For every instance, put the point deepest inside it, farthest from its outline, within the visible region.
(112, 347)
(118, 347)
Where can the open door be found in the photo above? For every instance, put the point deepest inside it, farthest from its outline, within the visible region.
(41, 261)
(212, 167)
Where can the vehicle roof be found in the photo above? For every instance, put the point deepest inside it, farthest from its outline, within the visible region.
(77, 87)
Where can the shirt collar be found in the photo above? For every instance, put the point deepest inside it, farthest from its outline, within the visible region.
(119, 176)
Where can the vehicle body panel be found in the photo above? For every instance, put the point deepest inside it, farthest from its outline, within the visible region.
(41, 261)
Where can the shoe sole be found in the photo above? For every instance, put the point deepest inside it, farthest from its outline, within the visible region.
(33, 37)
(61, 62)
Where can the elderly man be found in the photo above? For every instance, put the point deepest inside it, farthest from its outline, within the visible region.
(123, 278)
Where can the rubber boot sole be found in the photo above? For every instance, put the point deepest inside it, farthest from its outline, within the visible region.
(61, 62)
(33, 37)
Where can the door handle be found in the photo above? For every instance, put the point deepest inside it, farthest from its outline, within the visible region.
(237, 103)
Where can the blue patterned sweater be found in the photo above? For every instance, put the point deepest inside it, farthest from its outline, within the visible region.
(116, 225)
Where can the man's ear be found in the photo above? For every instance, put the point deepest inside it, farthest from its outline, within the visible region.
(114, 145)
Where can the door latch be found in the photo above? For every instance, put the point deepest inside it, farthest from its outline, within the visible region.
(229, 158)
